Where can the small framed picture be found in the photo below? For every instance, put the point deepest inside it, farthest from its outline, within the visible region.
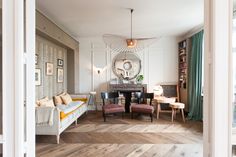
(36, 59)
(49, 68)
(60, 75)
(60, 62)
(37, 77)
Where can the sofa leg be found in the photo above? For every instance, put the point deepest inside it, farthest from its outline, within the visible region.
(132, 116)
(58, 139)
(76, 122)
(122, 115)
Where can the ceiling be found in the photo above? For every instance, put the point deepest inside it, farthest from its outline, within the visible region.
(151, 18)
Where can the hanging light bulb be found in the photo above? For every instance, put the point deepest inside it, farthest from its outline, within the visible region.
(131, 43)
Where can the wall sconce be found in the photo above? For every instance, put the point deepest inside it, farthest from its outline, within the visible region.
(99, 70)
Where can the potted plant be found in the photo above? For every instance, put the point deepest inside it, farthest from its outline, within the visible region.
(139, 79)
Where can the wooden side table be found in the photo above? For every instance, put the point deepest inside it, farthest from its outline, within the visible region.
(92, 99)
(177, 106)
(162, 99)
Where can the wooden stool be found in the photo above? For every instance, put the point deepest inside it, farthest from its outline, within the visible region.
(175, 106)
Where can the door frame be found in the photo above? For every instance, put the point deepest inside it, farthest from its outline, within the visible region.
(218, 83)
(217, 121)
(18, 38)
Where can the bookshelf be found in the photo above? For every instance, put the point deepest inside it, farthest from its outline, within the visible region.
(183, 64)
(183, 71)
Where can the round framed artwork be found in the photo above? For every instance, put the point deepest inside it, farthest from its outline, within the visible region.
(126, 65)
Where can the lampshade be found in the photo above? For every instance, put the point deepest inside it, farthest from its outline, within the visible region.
(158, 90)
(131, 43)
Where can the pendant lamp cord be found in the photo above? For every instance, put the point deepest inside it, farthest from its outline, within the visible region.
(132, 23)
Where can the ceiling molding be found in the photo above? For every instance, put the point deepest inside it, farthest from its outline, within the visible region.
(58, 25)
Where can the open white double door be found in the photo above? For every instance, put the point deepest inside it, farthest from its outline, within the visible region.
(18, 86)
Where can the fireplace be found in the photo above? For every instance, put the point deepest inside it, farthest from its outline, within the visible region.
(127, 90)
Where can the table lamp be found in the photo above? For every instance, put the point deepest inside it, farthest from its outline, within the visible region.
(158, 90)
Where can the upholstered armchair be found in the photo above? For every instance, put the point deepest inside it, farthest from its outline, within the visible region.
(110, 104)
(142, 106)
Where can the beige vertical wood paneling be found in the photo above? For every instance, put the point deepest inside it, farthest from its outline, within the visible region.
(50, 52)
(64, 52)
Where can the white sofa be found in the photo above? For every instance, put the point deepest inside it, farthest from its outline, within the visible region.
(73, 111)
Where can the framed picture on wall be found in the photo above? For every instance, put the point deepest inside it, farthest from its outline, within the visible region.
(60, 75)
(49, 68)
(36, 59)
(60, 62)
(37, 77)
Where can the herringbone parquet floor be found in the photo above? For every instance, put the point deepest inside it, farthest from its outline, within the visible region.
(125, 137)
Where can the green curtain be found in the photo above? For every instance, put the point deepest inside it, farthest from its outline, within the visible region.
(195, 78)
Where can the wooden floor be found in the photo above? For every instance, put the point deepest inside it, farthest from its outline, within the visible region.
(125, 137)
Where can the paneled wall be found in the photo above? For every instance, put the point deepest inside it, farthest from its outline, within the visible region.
(49, 30)
(49, 52)
(159, 64)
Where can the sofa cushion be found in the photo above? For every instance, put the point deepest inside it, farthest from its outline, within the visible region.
(68, 109)
(66, 99)
(48, 103)
(113, 108)
(41, 101)
(57, 99)
(80, 99)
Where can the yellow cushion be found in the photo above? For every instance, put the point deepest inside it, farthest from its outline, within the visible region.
(64, 115)
(80, 99)
(66, 99)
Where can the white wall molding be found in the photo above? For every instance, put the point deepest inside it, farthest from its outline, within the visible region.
(148, 67)
(92, 67)
(154, 62)
(107, 67)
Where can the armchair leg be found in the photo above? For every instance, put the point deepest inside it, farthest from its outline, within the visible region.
(158, 110)
(122, 115)
(132, 116)
(151, 115)
(104, 117)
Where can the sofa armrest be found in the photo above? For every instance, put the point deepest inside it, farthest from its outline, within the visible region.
(51, 130)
